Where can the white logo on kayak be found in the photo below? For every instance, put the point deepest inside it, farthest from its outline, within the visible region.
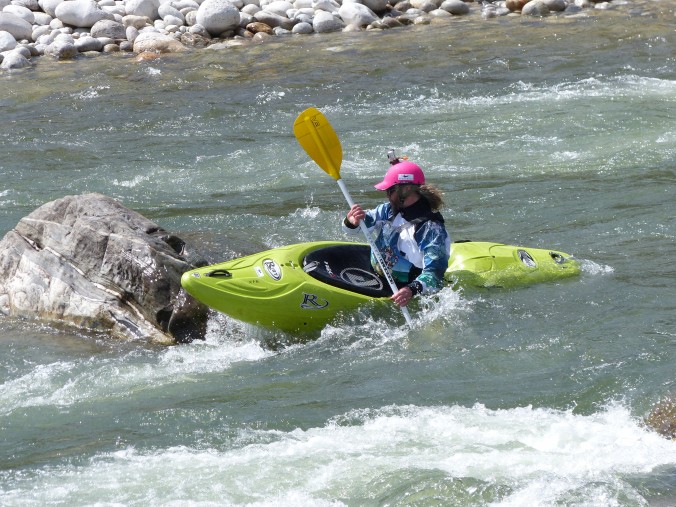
(272, 269)
(361, 278)
(313, 302)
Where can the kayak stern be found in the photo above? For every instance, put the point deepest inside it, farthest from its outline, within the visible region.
(484, 264)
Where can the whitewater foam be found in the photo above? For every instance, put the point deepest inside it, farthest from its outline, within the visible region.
(518, 456)
(66, 383)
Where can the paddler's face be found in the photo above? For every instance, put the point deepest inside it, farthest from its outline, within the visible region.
(395, 196)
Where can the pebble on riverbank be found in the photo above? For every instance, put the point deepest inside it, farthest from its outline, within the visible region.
(64, 29)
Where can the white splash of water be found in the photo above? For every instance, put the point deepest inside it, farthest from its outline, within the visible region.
(519, 456)
(593, 268)
(135, 181)
(66, 383)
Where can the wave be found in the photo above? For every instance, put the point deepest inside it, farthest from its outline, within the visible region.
(437, 98)
(67, 383)
(394, 455)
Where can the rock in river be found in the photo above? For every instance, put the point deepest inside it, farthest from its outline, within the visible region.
(89, 261)
(81, 13)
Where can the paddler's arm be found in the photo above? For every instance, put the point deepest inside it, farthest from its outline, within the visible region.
(435, 245)
(370, 217)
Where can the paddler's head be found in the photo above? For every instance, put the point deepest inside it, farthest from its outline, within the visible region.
(402, 183)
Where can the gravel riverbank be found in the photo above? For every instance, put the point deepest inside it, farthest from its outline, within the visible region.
(66, 29)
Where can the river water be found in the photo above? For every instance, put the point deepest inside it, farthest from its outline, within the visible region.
(556, 133)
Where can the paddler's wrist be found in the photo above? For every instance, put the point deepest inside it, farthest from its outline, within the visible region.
(349, 224)
(415, 287)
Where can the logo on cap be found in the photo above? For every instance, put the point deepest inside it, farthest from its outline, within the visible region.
(405, 177)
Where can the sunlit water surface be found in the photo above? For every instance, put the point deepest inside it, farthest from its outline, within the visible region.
(556, 133)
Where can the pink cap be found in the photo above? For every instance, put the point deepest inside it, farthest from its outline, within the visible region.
(403, 173)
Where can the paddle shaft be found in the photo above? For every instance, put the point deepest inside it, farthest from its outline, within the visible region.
(375, 251)
(324, 148)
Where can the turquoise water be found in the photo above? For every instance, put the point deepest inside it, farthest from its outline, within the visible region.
(557, 134)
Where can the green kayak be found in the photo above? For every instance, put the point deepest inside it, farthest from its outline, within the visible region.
(302, 287)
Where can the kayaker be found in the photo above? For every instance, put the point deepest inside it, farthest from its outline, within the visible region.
(408, 229)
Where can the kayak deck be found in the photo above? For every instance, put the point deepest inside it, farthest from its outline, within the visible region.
(304, 286)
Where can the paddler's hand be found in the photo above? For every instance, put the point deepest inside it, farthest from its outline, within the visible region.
(403, 296)
(356, 215)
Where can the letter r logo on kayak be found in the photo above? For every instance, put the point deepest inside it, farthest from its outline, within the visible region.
(313, 302)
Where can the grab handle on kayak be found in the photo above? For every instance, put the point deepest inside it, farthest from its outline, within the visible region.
(219, 272)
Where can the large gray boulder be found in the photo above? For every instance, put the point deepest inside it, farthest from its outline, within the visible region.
(13, 60)
(7, 41)
(62, 49)
(556, 5)
(33, 5)
(88, 43)
(109, 29)
(49, 6)
(353, 13)
(378, 6)
(147, 8)
(218, 16)
(81, 13)
(325, 5)
(279, 7)
(157, 43)
(456, 7)
(536, 8)
(273, 20)
(325, 22)
(19, 28)
(89, 261)
(21, 12)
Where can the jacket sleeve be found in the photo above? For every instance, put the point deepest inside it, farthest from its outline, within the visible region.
(373, 216)
(348, 227)
(435, 245)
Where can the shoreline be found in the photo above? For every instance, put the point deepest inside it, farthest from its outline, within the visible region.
(66, 30)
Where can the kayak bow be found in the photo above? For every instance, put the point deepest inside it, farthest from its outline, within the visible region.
(302, 287)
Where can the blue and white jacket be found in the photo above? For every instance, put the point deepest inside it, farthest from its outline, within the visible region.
(413, 243)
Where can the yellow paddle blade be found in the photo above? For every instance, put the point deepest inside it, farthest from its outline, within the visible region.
(317, 137)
